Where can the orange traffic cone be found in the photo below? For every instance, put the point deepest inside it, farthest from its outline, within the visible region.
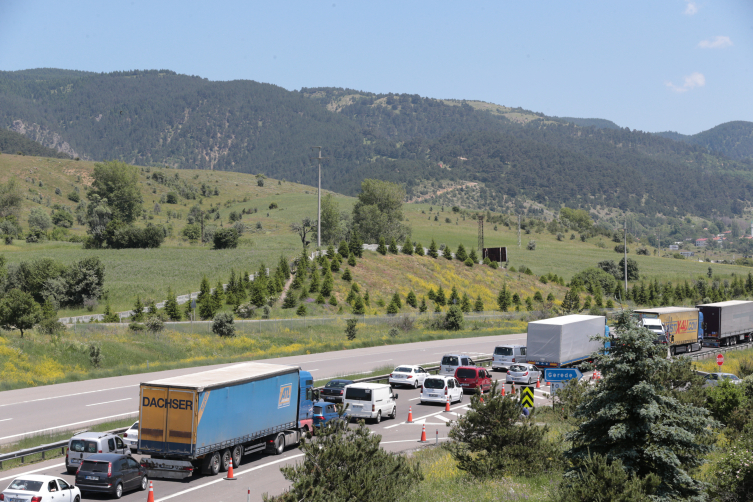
(447, 404)
(410, 415)
(538, 383)
(150, 497)
(423, 434)
(481, 397)
(503, 390)
(230, 470)
(512, 389)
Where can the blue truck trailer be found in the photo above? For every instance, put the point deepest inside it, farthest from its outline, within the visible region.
(203, 421)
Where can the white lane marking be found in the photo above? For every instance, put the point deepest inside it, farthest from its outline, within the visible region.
(5, 419)
(421, 419)
(30, 472)
(443, 419)
(413, 440)
(68, 425)
(382, 361)
(67, 395)
(311, 371)
(108, 402)
(414, 399)
(240, 473)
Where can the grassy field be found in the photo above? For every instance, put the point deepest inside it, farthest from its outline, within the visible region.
(39, 360)
(180, 264)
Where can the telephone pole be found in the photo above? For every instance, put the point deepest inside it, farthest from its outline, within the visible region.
(518, 230)
(625, 250)
(319, 197)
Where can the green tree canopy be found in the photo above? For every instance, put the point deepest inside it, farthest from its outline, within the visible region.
(118, 183)
(379, 211)
(18, 310)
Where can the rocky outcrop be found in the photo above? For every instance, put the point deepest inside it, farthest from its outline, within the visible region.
(44, 136)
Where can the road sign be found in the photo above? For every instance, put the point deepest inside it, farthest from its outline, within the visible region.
(562, 374)
(555, 386)
(526, 397)
(720, 359)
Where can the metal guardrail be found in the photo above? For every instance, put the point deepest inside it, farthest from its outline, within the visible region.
(44, 448)
(714, 352)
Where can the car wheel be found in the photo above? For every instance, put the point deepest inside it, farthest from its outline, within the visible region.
(144, 483)
(460, 399)
(118, 491)
(237, 455)
(415, 384)
(77, 499)
(378, 417)
(226, 458)
(394, 413)
(529, 380)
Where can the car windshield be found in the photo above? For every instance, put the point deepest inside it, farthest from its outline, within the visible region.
(25, 485)
(466, 373)
(317, 410)
(518, 367)
(336, 384)
(79, 445)
(503, 351)
(356, 394)
(135, 426)
(91, 466)
(450, 360)
(434, 383)
(404, 369)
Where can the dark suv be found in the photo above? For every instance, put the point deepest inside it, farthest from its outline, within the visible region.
(111, 473)
(472, 377)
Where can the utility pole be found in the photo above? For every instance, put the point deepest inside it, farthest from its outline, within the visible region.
(481, 235)
(518, 230)
(319, 197)
(625, 250)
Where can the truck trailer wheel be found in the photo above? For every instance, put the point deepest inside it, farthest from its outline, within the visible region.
(279, 444)
(226, 459)
(237, 455)
(211, 465)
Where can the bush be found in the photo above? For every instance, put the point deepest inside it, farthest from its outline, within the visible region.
(172, 198)
(74, 197)
(468, 262)
(154, 324)
(597, 480)
(351, 328)
(393, 332)
(620, 248)
(453, 320)
(136, 326)
(222, 325)
(192, 232)
(226, 238)
(301, 310)
(248, 310)
(531, 246)
(62, 218)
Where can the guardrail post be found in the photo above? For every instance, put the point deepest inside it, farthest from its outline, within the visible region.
(43, 455)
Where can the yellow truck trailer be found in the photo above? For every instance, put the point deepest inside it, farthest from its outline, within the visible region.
(681, 327)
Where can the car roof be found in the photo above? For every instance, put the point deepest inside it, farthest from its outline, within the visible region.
(105, 457)
(36, 477)
(322, 402)
(441, 377)
(512, 346)
(92, 435)
(456, 354)
(406, 366)
(340, 380)
(368, 385)
(467, 368)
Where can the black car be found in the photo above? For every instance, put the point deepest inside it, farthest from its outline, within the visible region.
(111, 473)
(334, 390)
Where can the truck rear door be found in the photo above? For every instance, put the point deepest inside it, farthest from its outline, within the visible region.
(152, 418)
(167, 419)
(180, 420)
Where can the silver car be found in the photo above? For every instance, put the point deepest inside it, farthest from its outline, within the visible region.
(713, 379)
(523, 373)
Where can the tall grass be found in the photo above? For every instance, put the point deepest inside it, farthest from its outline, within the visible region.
(739, 362)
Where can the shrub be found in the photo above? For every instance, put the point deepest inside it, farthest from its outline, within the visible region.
(248, 311)
(453, 320)
(222, 325)
(136, 326)
(154, 324)
(301, 310)
(393, 247)
(468, 262)
(381, 248)
(393, 332)
(531, 246)
(172, 198)
(351, 328)
(74, 197)
(620, 248)
(226, 238)
(192, 232)
(273, 205)
(597, 479)
(62, 218)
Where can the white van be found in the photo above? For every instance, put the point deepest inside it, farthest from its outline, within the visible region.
(506, 355)
(451, 362)
(370, 400)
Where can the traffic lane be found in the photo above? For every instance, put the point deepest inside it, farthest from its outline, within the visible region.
(27, 410)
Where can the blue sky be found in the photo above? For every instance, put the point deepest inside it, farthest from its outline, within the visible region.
(682, 65)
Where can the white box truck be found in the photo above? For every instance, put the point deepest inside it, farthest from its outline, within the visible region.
(564, 341)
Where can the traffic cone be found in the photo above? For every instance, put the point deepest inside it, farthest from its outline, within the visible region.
(481, 397)
(150, 497)
(512, 389)
(503, 390)
(538, 383)
(410, 415)
(423, 434)
(230, 470)
(447, 404)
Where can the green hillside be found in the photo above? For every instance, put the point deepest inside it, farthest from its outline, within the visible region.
(157, 118)
(731, 139)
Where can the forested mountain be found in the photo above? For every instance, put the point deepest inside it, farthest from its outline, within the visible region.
(158, 117)
(733, 139)
(15, 143)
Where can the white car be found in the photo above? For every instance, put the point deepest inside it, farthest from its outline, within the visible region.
(523, 373)
(40, 488)
(437, 388)
(131, 437)
(412, 376)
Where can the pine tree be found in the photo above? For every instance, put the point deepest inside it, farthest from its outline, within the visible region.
(629, 416)
(301, 310)
(218, 296)
(284, 266)
(473, 256)
(465, 303)
(397, 301)
(516, 299)
(440, 297)
(110, 316)
(419, 249)
(454, 296)
(393, 247)
(314, 284)
(437, 307)
(550, 297)
(411, 299)
(172, 310)
(504, 299)
(598, 300)
(433, 252)
(381, 248)
(343, 249)
(356, 243)
(571, 303)
(331, 252)
(352, 260)
(320, 299)
(204, 301)
(423, 308)
(431, 294)
(333, 301)
(231, 288)
(335, 266)
(327, 284)
(347, 275)
(392, 308)
(366, 299)
(407, 246)
(290, 301)
(447, 253)
(187, 310)
(461, 254)
(297, 282)
(479, 305)
(358, 306)
(587, 303)
(537, 297)
(138, 310)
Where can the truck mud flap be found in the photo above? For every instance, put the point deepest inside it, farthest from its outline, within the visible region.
(167, 469)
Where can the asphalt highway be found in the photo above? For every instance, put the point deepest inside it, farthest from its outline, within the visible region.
(77, 405)
(260, 473)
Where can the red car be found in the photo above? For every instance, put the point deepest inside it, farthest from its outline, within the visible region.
(471, 377)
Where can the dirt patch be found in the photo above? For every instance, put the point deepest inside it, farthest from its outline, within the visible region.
(86, 177)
